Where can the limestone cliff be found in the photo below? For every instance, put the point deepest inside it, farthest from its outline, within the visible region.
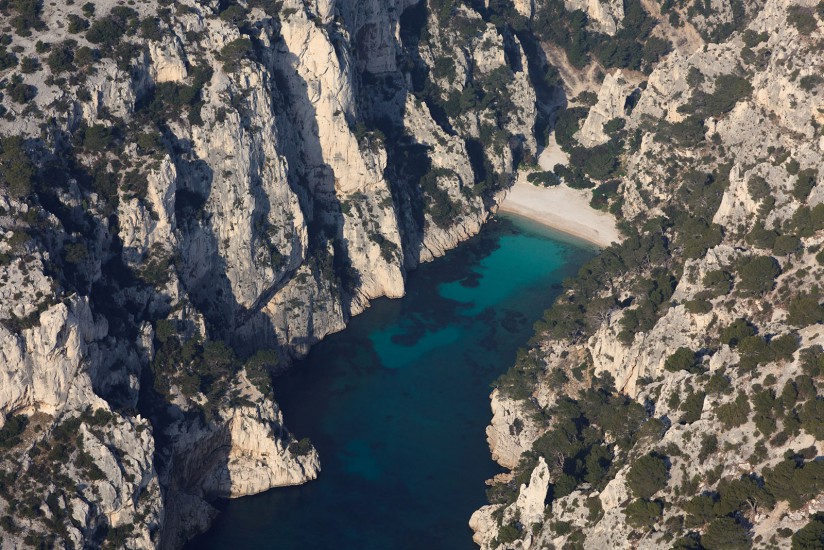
(673, 391)
(192, 194)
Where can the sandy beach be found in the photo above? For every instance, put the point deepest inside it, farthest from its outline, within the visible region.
(560, 207)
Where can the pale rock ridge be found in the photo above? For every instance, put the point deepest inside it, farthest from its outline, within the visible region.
(251, 203)
(511, 431)
(612, 98)
(760, 136)
(605, 15)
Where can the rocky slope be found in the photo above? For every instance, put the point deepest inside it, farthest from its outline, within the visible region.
(671, 398)
(192, 194)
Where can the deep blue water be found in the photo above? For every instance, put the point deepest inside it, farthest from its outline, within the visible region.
(397, 404)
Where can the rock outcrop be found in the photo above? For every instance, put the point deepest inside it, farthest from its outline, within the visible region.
(671, 391)
(191, 195)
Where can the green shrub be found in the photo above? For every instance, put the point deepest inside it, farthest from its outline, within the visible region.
(737, 331)
(150, 29)
(11, 430)
(302, 447)
(725, 534)
(7, 59)
(683, 359)
(77, 24)
(643, 514)
(758, 188)
(647, 476)
(757, 275)
(801, 18)
(804, 310)
(61, 57)
(259, 369)
(786, 244)
(97, 138)
(19, 91)
(811, 536)
(718, 282)
(29, 65)
(734, 414)
(234, 52)
(805, 183)
(17, 170)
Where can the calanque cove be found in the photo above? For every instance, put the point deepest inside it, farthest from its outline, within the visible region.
(215, 212)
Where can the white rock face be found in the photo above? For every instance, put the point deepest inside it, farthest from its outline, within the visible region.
(255, 201)
(611, 101)
(529, 507)
(511, 431)
(605, 16)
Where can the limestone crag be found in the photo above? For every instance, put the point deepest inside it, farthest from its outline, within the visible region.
(192, 195)
(678, 350)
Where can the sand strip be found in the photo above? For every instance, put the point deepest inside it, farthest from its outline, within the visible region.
(562, 208)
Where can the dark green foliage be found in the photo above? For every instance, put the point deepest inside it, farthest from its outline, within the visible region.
(761, 237)
(717, 283)
(647, 476)
(599, 162)
(725, 534)
(150, 29)
(757, 275)
(801, 18)
(61, 57)
(234, 14)
(576, 446)
(97, 138)
(107, 32)
(811, 536)
(753, 39)
(77, 24)
(794, 481)
(234, 52)
(567, 125)
(259, 369)
(810, 82)
(643, 514)
(546, 179)
(764, 403)
(735, 413)
(7, 59)
(728, 90)
(29, 65)
(683, 359)
(19, 91)
(11, 430)
(700, 510)
(758, 188)
(16, 169)
(692, 407)
(75, 253)
(439, 205)
(805, 310)
(26, 15)
(603, 193)
(302, 447)
(786, 244)
(812, 417)
(805, 183)
(193, 367)
(738, 495)
(508, 533)
(784, 346)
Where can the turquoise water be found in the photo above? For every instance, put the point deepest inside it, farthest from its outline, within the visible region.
(397, 404)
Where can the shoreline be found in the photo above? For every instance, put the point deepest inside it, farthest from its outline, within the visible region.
(560, 207)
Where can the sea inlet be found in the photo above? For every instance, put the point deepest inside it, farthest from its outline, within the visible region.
(397, 403)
